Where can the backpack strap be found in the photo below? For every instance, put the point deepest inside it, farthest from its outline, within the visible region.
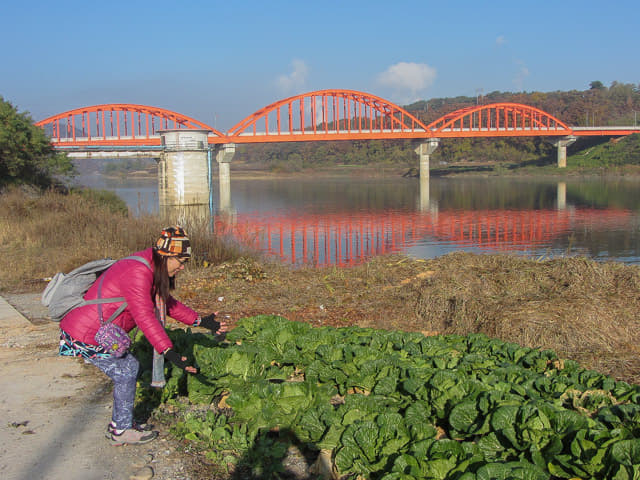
(100, 300)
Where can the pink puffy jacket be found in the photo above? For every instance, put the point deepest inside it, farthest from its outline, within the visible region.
(132, 280)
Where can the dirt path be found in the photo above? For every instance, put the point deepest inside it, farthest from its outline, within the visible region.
(55, 410)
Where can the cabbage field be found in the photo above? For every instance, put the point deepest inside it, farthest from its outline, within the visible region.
(394, 405)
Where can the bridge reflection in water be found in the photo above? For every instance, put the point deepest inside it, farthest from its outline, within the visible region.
(348, 239)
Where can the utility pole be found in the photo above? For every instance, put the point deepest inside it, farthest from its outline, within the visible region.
(473, 118)
(478, 95)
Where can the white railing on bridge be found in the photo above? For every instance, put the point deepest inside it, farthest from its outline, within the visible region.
(322, 131)
(113, 154)
(63, 140)
(594, 129)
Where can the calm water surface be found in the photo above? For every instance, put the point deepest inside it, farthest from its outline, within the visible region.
(345, 221)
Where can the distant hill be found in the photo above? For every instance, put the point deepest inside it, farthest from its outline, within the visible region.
(617, 105)
(116, 166)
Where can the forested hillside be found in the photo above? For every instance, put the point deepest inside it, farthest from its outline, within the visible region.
(616, 105)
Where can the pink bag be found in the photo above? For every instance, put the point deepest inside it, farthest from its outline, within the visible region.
(110, 336)
(113, 339)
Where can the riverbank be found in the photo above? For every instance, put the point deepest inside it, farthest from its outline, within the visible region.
(584, 310)
(462, 169)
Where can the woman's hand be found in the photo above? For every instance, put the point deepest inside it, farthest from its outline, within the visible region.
(179, 361)
(216, 326)
(224, 325)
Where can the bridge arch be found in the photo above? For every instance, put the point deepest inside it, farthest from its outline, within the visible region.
(116, 123)
(327, 115)
(497, 120)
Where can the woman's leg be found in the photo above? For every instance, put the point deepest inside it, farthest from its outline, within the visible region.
(124, 372)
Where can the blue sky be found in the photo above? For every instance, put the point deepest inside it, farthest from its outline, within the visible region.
(220, 61)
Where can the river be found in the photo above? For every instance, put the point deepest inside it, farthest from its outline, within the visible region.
(347, 220)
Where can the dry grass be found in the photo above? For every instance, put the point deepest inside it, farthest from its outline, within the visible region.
(42, 234)
(582, 309)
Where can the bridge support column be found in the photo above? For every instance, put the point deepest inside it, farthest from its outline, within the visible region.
(224, 155)
(424, 151)
(183, 177)
(561, 144)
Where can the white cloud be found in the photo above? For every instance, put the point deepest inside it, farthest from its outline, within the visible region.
(294, 81)
(500, 40)
(408, 79)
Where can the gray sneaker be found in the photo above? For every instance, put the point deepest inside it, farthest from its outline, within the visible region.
(131, 436)
(145, 427)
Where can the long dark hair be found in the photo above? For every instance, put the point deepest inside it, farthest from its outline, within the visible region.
(162, 283)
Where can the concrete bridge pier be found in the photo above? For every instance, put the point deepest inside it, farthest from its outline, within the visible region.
(224, 155)
(424, 151)
(561, 144)
(183, 168)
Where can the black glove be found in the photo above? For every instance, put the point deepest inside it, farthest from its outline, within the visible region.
(175, 358)
(210, 323)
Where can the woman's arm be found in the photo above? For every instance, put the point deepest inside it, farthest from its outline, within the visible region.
(181, 312)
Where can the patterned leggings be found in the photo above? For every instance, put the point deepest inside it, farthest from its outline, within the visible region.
(124, 372)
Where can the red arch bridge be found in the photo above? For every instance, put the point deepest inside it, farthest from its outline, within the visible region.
(314, 116)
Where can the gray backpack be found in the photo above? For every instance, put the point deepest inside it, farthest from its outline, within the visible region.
(66, 291)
